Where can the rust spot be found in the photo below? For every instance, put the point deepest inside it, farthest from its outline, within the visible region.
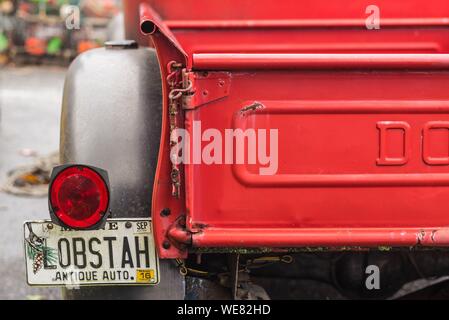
(435, 237)
(420, 237)
(432, 235)
(197, 227)
(179, 236)
(439, 237)
(252, 107)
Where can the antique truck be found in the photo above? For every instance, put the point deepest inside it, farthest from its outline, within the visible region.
(254, 150)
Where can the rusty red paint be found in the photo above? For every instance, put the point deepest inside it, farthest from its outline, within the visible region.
(168, 50)
(179, 235)
(286, 237)
(334, 90)
(433, 238)
(214, 86)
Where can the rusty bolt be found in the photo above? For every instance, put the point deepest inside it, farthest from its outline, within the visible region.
(50, 226)
(221, 83)
(128, 225)
(182, 222)
(166, 245)
(165, 212)
(174, 174)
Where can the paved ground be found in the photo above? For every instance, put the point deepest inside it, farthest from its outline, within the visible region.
(30, 99)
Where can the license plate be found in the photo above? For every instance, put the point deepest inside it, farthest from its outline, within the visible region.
(121, 253)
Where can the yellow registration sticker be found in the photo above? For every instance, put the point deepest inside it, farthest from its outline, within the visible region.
(145, 275)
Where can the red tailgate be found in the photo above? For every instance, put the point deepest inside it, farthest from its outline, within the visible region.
(356, 149)
(362, 133)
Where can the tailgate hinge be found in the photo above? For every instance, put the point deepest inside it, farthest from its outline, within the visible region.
(187, 91)
(177, 89)
(205, 87)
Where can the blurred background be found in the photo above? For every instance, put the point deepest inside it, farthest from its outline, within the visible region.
(38, 40)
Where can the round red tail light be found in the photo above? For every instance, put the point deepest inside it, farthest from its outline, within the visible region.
(79, 197)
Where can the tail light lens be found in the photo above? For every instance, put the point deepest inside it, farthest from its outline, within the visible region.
(79, 196)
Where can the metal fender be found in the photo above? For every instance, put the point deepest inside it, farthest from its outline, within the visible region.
(111, 119)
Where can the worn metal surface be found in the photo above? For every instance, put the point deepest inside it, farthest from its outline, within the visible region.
(111, 118)
(362, 119)
(330, 188)
(163, 193)
(210, 86)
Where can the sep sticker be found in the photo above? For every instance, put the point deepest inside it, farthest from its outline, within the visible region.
(145, 275)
